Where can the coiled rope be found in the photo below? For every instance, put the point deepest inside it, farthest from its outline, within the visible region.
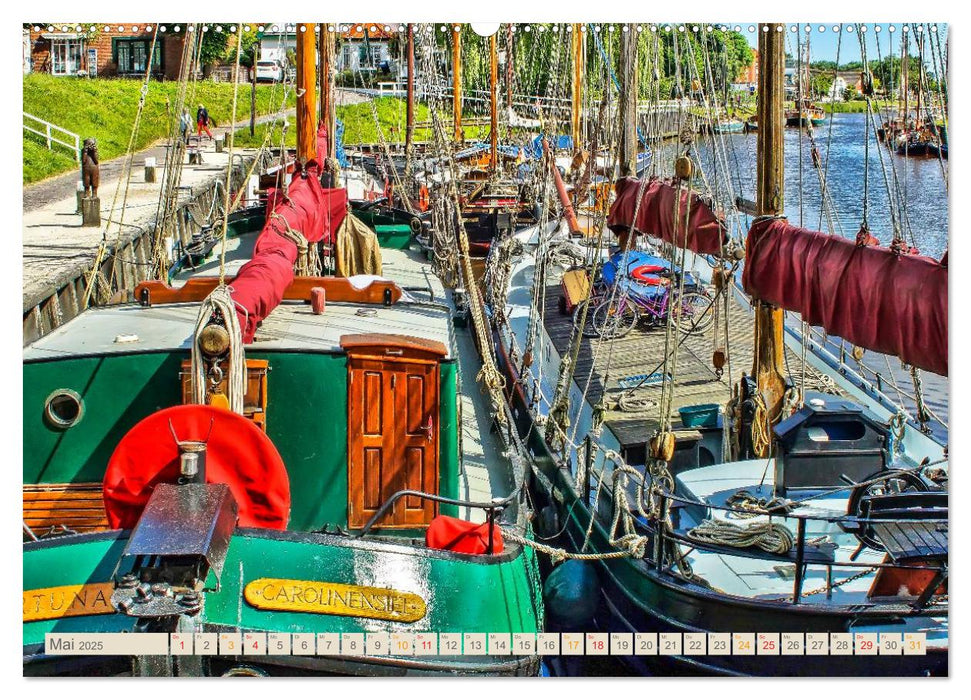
(768, 536)
(219, 302)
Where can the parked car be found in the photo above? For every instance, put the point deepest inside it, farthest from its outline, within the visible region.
(269, 71)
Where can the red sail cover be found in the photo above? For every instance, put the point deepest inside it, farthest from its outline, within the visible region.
(308, 208)
(866, 295)
(705, 233)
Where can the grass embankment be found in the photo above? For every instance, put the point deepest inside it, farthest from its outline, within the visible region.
(360, 125)
(853, 107)
(105, 109)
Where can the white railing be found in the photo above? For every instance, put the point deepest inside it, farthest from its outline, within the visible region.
(48, 135)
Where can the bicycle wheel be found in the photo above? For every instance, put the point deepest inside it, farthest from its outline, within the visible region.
(614, 319)
(697, 313)
(588, 305)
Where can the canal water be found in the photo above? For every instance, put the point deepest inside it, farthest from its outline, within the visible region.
(916, 184)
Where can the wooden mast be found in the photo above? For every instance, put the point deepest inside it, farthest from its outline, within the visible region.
(579, 60)
(509, 67)
(457, 84)
(768, 363)
(327, 113)
(628, 101)
(306, 94)
(410, 124)
(493, 114)
(905, 78)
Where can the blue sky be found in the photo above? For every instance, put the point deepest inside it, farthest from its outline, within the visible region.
(823, 45)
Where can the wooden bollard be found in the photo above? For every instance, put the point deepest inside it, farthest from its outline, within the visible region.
(195, 157)
(150, 170)
(91, 211)
(220, 140)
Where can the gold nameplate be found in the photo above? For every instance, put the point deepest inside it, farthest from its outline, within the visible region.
(325, 598)
(68, 601)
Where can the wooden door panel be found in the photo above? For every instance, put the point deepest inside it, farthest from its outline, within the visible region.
(373, 396)
(373, 495)
(393, 423)
(418, 436)
(370, 454)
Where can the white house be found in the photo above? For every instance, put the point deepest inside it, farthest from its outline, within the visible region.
(360, 47)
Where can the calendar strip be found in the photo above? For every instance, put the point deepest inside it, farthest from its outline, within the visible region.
(445, 644)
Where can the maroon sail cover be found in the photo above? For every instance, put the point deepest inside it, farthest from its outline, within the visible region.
(867, 295)
(705, 232)
(308, 208)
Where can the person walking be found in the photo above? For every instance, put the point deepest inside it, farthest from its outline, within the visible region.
(202, 121)
(185, 125)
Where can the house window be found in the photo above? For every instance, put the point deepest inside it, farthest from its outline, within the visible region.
(66, 56)
(131, 55)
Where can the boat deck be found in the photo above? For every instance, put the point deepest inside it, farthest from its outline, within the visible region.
(484, 474)
(605, 367)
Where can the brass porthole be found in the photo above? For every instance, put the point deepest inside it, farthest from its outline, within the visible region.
(64, 408)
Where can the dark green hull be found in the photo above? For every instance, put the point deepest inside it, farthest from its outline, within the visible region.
(638, 596)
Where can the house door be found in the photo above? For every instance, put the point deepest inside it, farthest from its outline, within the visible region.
(393, 427)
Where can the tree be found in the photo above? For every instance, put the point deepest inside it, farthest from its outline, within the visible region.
(823, 66)
(821, 83)
(849, 94)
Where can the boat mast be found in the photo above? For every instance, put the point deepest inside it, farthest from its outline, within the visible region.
(493, 115)
(457, 84)
(327, 114)
(578, 70)
(768, 362)
(410, 124)
(509, 67)
(628, 101)
(905, 77)
(306, 94)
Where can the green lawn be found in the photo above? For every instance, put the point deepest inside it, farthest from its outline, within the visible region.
(854, 107)
(106, 108)
(361, 125)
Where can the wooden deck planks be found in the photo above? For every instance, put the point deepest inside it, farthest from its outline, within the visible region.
(605, 363)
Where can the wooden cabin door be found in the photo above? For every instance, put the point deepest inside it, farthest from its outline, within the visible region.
(393, 433)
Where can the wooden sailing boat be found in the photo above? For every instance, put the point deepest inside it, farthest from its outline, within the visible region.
(288, 455)
(719, 533)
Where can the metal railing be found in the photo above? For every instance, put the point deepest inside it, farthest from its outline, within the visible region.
(493, 509)
(48, 135)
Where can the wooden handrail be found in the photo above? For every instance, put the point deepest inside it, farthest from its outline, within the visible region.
(336, 289)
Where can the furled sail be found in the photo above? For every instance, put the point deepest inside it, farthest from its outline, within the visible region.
(699, 229)
(865, 294)
(308, 211)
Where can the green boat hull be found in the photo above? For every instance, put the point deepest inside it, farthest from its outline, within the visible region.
(462, 593)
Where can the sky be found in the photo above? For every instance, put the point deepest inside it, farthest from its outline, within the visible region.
(823, 44)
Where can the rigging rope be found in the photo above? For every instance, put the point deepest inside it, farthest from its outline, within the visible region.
(219, 306)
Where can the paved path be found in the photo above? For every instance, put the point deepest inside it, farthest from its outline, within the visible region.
(48, 191)
(56, 246)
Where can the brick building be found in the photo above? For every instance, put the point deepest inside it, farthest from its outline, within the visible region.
(105, 51)
(750, 73)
